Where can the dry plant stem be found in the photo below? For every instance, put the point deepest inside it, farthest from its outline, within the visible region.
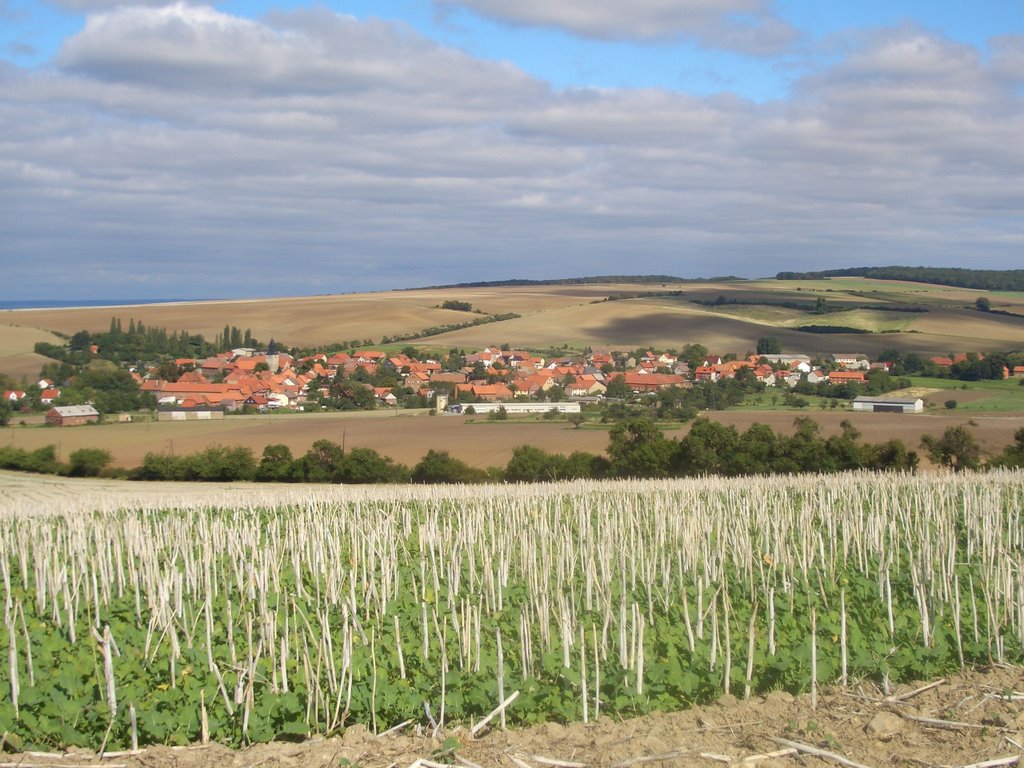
(952, 725)
(12, 665)
(916, 692)
(501, 675)
(134, 724)
(996, 762)
(752, 759)
(823, 753)
(556, 762)
(662, 757)
(496, 711)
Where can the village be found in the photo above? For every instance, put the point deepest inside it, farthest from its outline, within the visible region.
(247, 380)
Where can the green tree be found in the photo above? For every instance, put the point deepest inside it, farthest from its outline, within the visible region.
(220, 463)
(694, 355)
(708, 448)
(322, 462)
(80, 341)
(88, 462)
(982, 304)
(638, 449)
(891, 455)
(769, 345)
(956, 449)
(441, 467)
(157, 466)
(365, 465)
(618, 389)
(1012, 455)
(759, 450)
(276, 465)
(529, 465)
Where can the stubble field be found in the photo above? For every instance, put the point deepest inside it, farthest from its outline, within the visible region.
(577, 315)
(769, 622)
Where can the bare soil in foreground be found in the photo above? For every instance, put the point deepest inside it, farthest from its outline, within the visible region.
(973, 719)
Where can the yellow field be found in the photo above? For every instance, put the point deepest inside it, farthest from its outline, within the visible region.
(16, 356)
(577, 315)
(874, 320)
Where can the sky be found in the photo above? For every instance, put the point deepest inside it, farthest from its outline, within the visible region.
(284, 148)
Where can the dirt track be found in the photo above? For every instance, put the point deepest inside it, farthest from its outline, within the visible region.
(981, 718)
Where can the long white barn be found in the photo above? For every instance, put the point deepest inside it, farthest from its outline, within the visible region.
(515, 408)
(888, 404)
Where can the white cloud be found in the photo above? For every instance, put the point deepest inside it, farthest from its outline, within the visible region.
(749, 26)
(1008, 56)
(313, 152)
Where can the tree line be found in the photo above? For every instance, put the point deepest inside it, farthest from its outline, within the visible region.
(981, 279)
(140, 342)
(636, 449)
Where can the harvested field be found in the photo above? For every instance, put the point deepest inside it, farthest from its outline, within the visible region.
(967, 330)
(16, 356)
(874, 321)
(316, 320)
(406, 436)
(553, 315)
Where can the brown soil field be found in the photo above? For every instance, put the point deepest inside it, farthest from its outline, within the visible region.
(673, 322)
(967, 330)
(968, 719)
(16, 356)
(406, 436)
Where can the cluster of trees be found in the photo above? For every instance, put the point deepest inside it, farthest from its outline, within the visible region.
(99, 378)
(982, 279)
(108, 387)
(324, 462)
(460, 306)
(84, 462)
(636, 449)
(878, 383)
(974, 368)
(639, 449)
(140, 342)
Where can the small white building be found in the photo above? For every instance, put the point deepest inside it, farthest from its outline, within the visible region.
(852, 362)
(888, 404)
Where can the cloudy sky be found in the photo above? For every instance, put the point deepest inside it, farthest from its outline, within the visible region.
(279, 147)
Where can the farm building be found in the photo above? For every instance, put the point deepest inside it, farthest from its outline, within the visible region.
(513, 409)
(190, 414)
(888, 404)
(72, 415)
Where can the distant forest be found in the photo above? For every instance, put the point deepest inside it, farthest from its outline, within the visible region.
(982, 279)
(598, 279)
